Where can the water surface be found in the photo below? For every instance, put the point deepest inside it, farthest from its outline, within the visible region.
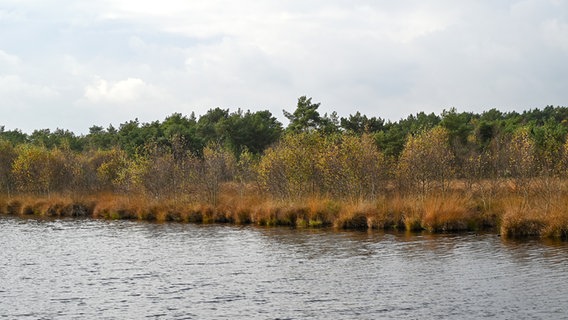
(86, 269)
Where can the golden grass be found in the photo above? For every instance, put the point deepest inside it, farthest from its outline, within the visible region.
(448, 213)
(512, 214)
(535, 217)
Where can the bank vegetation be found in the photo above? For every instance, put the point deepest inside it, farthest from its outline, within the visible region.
(506, 172)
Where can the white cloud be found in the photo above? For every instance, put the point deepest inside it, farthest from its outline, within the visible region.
(8, 59)
(16, 91)
(25, 105)
(128, 90)
(116, 60)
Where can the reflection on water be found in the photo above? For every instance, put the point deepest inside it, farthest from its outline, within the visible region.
(76, 269)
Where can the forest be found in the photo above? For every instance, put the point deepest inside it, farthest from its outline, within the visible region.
(456, 171)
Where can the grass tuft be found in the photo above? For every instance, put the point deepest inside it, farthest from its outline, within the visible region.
(512, 214)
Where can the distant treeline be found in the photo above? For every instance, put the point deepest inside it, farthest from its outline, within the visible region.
(352, 157)
(453, 171)
(255, 131)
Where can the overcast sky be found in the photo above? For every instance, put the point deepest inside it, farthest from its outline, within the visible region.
(73, 64)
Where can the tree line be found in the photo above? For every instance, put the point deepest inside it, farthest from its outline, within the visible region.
(354, 157)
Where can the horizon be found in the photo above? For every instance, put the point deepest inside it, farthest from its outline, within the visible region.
(280, 119)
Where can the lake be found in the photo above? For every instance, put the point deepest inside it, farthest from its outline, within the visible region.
(87, 269)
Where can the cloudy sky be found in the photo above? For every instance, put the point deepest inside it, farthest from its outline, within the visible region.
(73, 64)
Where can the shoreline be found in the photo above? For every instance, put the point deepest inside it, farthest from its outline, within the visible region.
(451, 213)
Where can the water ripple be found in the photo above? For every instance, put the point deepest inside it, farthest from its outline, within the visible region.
(76, 269)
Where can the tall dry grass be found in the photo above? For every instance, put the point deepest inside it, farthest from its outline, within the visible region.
(512, 214)
(535, 217)
(453, 212)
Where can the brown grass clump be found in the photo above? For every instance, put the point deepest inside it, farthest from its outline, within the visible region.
(362, 215)
(118, 208)
(51, 207)
(3, 206)
(192, 214)
(556, 226)
(268, 213)
(518, 225)
(444, 213)
(408, 212)
(513, 213)
(14, 207)
(322, 212)
(521, 218)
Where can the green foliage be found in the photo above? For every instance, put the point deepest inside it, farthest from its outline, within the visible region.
(329, 123)
(209, 126)
(180, 134)
(305, 117)
(392, 139)
(132, 136)
(250, 131)
(15, 137)
(56, 139)
(458, 125)
(101, 139)
(359, 124)
(189, 157)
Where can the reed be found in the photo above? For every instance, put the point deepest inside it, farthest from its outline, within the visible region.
(3, 206)
(556, 226)
(522, 224)
(361, 215)
(448, 213)
(512, 214)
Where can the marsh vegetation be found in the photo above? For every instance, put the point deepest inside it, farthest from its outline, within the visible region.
(450, 172)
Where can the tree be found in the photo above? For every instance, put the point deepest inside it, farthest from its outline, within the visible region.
(132, 136)
(209, 126)
(245, 170)
(58, 138)
(37, 170)
(290, 168)
(7, 156)
(216, 167)
(458, 125)
(100, 139)
(160, 175)
(329, 124)
(112, 168)
(521, 159)
(305, 117)
(15, 137)
(351, 166)
(252, 131)
(359, 124)
(549, 139)
(180, 135)
(427, 160)
(129, 136)
(392, 138)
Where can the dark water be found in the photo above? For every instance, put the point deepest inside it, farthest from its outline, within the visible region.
(87, 269)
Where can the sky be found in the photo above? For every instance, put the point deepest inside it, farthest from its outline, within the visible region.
(74, 64)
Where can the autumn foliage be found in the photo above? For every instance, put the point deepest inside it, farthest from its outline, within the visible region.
(449, 173)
